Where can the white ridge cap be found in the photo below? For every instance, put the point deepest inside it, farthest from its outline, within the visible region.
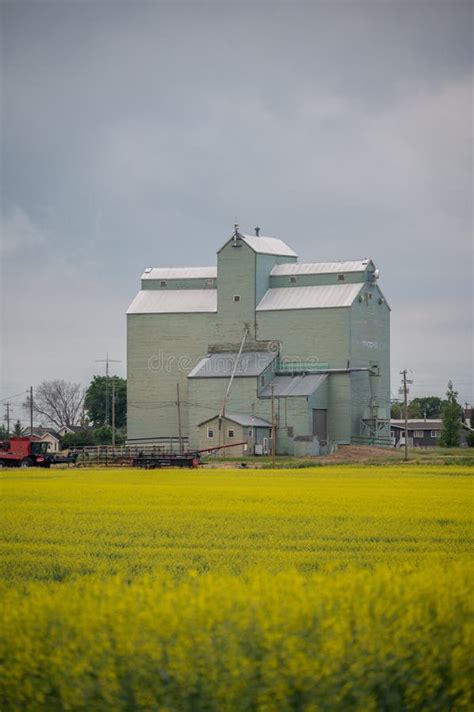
(290, 268)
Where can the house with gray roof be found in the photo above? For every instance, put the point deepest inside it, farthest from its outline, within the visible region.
(260, 333)
(423, 432)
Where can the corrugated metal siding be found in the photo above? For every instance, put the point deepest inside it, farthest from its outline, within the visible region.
(285, 386)
(370, 345)
(251, 363)
(268, 245)
(236, 269)
(319, 267)
(317, 297)
(180, 273)
(176, 301)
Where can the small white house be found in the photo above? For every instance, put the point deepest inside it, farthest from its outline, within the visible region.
(46, 435)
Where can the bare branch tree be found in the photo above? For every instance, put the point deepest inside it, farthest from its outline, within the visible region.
(60, 402)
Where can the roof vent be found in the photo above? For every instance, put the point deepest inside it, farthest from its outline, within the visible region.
(257, 231)
(235, 236)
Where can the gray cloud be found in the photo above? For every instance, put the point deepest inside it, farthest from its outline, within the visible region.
(134, 134)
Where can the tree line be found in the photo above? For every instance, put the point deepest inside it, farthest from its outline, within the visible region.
(61, 404)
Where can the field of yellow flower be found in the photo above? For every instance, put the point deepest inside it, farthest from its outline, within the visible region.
(310, 590)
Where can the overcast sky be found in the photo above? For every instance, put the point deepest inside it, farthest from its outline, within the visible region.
(135, 134)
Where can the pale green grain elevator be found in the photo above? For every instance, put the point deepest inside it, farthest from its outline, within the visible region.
(315, 336)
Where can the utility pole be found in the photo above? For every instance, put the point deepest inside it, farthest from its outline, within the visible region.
(31, 410)
(178, 403)
(404, 390)
(113, 411)
(107, 360)
(273, 426)
(7, 418)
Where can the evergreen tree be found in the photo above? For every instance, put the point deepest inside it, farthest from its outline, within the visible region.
(17, 428)
(451, 415)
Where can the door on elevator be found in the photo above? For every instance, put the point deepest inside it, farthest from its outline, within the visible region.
(320, 424)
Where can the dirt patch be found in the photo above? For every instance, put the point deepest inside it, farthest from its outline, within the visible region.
(361, 453)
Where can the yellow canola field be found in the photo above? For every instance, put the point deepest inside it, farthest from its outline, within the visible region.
(325, 589)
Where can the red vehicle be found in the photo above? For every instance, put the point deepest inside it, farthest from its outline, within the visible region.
(24, 452)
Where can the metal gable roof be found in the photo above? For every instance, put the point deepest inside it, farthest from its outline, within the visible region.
(174, 301)
(314, 297)
(287, 386)
(268, 245)
(414, 424)
(180, 273)
(221, 365)
(290, 268)
(244, 419)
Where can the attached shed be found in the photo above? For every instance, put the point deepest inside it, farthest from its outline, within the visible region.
(253, 434)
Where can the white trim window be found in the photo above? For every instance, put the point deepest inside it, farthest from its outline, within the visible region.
(230, 432)
(436, 433)
(418, 433)
(236, 297)
(250, 432)
(210, 433)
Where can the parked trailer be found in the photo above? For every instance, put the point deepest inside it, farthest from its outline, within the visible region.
(150, 462)
(187, 459)
(148, 456)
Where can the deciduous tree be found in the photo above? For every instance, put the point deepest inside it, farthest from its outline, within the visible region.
(96, 398)
(60, 402)
(429, 407)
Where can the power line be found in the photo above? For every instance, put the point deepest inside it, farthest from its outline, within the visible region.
(107, 360)
(9, 398)
(7, 417)
(404, 391)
